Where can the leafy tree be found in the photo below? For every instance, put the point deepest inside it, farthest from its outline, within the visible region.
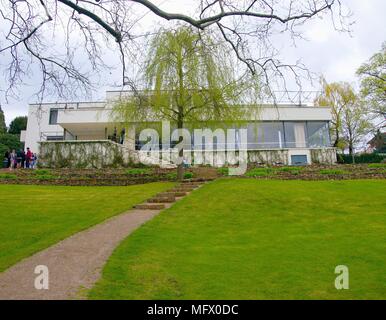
(18, 124)
(3, 127)
(373, 82)
(190, 79)
(10, 141)
(350, 122)
(3, 150)
(336, 96)
(356, 124)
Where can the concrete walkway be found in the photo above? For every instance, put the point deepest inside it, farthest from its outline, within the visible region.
(77, 261)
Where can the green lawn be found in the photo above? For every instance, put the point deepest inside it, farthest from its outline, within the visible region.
(35, 217)
(249, 239)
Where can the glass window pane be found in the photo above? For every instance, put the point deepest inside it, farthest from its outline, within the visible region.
(318, 135)
(295, 134)
(265, 135)
(53, 116)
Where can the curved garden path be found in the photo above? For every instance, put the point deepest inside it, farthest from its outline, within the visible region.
(77, 261)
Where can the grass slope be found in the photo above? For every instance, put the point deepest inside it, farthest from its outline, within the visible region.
(35, 217)
(248, 239)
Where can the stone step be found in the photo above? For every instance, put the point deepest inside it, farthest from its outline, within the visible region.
(182, 190)
(186, 187)
(201, 180)
(174, 194)
(191, 184)
(159, 199)
(150, 206)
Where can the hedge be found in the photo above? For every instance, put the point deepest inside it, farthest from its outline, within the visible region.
(363, 158)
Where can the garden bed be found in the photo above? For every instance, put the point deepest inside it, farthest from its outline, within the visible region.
(314, 172)
(317, 172)
(133, 176)
(97, 177)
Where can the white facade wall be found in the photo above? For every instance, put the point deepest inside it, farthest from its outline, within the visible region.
(38, 127)
(92, 120)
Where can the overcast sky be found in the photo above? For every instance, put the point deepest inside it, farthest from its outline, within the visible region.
(326, 52)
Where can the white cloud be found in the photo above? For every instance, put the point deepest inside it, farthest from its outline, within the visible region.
(319, 32)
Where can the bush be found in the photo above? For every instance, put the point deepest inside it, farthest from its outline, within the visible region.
(363, 158)
(188, 175)
(8, 176)
(9, 142)
(259, 172)
(332, 172)
(377, 165)
(223, 171)
(138, 171)
(3, 150)
(42, 171)
(171, 176)
(290, 169)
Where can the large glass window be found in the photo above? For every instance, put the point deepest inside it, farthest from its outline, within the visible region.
(295, 134)
(318, 134)
(265, 135)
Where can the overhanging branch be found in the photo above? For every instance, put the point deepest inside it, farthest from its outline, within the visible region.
(115, 33)
(204, 22)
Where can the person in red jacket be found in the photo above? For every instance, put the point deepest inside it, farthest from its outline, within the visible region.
(28, 158)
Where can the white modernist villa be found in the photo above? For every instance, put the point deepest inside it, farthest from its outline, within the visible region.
(284, 134)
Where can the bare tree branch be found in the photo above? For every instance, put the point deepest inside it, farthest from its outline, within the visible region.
(69, 38)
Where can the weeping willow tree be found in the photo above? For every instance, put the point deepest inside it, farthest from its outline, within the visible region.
(190, 80)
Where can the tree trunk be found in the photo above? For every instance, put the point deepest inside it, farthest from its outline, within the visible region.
(180, 116)
(180, 172)
(337, 138)
(180, 167)
(351, 152)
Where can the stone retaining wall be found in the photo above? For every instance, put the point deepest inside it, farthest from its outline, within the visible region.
(105, 153)
(82, 154)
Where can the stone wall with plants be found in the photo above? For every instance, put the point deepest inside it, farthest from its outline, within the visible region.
(271, 157)
(83, 155)
(221, 158)
(323, 156)
(107, 154)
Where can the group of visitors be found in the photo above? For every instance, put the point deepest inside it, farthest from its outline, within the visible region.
(20, 159)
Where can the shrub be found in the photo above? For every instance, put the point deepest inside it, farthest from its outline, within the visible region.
(377, 165)
(290, 169)
(8, 176)
(9, 141)
(171, 176)
(258, 172)
(42, 171)
(188, 175)
(138, 171)
(223, 171)
(80, 165)
(363, 158)
(3, 150)
(332, 171)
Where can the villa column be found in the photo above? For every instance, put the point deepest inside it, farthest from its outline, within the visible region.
(129, 141)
